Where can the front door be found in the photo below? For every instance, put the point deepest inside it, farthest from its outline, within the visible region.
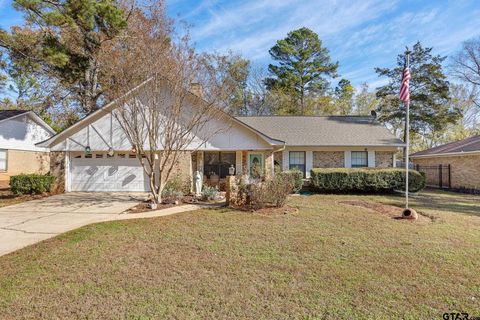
(255, 165)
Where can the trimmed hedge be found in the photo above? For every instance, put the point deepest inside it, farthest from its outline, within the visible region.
(31, 183)
(296, 176)
(365, 180)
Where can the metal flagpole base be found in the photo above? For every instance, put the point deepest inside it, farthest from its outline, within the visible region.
(410, 214)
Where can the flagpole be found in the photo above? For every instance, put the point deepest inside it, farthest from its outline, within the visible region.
(407, 137)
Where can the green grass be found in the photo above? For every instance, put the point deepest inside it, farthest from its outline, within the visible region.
(328, 261)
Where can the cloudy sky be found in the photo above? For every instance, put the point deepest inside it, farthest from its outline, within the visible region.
(360, 34)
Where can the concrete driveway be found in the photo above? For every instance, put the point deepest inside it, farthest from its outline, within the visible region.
(33, 221)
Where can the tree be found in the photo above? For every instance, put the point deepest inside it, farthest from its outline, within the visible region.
(303, 67)
(465, 66)
(429, 94)
(63, 41)
(365, 101)
(155, 81)
(234, 71)
(343, 94)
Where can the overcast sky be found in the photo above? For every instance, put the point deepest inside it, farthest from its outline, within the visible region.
(360, 35)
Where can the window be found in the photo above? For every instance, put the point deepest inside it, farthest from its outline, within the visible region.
(98, 156)
(3, 160)
(297, 161)
(217, 163)
(359, 159)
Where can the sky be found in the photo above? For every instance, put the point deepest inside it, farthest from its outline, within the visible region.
(360, 34)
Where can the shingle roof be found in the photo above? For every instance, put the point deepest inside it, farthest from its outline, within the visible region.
(465, 145)
(5, 114)
(324, 131)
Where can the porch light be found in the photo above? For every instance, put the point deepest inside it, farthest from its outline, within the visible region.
(231, 170)
(88, 150)
(110, 152)
(134, 149)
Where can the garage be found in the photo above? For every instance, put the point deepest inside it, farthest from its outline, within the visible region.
(100, 172)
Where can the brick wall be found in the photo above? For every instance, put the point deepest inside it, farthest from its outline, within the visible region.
(19, 161)
(384, 159)
(465, 170)
(57, 169)
(328, 159)
(278, 158)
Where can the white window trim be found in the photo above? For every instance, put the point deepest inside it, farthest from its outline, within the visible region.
(6, 160)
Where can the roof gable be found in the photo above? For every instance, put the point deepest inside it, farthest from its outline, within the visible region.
(7, 114)
(103, 112)
(471, 144)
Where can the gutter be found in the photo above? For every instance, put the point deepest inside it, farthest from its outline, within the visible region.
(451, 154)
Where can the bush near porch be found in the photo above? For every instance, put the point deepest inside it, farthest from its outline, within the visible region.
(31, 183)
(365, 180)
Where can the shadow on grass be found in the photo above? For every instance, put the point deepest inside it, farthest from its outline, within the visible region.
(428, 199)
(448, 202)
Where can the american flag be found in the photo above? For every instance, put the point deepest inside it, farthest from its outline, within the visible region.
(404, 89)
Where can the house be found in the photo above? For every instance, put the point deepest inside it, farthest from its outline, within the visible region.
(20, 130)
(460, 158)
(251, 145)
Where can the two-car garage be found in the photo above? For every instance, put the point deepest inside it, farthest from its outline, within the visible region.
(101, 172)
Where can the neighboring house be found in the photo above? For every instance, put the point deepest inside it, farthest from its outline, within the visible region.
(461, 158)
(19, 132)
(250, 145)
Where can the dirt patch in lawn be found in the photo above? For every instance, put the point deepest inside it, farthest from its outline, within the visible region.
(390, 211)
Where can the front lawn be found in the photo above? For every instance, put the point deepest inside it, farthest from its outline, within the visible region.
(329, 260)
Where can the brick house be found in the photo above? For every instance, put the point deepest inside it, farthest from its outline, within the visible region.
(250, 145)
(461, 157)
(20, 130)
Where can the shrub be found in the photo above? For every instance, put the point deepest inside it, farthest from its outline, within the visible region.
(31, 183)
(209, 193)
(176, 183)
(295, 176)
(273, 192)
(365, 180)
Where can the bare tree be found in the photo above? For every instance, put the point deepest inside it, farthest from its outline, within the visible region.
(163, 110)
(466, 65)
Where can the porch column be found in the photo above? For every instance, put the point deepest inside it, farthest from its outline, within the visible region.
(200, 161)
(244, 162)
(269, 172)
(238, 163)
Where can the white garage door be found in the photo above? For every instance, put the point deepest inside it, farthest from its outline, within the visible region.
(102, 173)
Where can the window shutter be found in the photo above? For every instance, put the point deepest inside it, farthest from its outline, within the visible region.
(308, 163)
(348, 159)
(3, 160)
(371, 159)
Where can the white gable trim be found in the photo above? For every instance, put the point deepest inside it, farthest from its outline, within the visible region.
(67, 133)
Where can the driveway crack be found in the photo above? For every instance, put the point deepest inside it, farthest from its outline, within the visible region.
(28, 232)
(32, 219)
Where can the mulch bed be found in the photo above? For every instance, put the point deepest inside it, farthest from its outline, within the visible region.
(144, 206)
(269, 211)
(393, 212)
(6, 194)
